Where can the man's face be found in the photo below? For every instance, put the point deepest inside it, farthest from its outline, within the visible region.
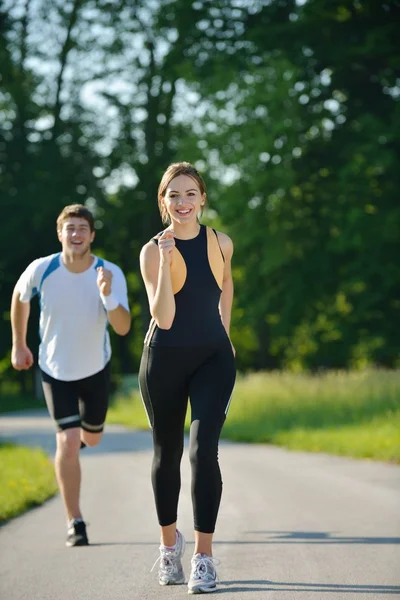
(75, 236)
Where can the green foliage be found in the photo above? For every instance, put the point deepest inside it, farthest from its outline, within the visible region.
(11, 401)
(290, 111)
(304, 149)
(26, 479)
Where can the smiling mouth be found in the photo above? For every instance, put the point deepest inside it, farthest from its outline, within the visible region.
(184, 211)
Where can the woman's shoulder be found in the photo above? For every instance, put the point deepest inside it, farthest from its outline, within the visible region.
(150, 250)
(156, 237)
(224, 241)
(223, 237)
(153, 241)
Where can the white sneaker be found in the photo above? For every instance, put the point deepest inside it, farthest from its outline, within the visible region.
(203, 576)
(170, 570)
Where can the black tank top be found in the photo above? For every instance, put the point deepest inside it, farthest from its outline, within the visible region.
(197, 319)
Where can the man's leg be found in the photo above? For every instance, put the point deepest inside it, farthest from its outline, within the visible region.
(68, 470)
(62, 402)
(90, 439)
(93, 400)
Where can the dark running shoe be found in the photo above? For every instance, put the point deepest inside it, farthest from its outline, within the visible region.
(76, 535)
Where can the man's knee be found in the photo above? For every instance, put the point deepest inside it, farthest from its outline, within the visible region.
(68, 442)
(91, 439)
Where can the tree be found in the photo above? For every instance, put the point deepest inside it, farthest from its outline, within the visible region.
(305, 130)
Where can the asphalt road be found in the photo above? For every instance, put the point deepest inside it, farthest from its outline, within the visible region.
(292, 526)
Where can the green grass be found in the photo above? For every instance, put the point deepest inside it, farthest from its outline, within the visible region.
(347, 413)
(26, 479)
(128, 410)
(379, 440)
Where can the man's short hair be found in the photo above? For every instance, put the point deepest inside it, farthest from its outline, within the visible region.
(75, 210)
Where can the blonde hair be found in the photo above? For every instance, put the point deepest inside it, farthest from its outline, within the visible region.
(174, 170)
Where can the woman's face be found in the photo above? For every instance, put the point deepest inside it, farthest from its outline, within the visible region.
(183, 199)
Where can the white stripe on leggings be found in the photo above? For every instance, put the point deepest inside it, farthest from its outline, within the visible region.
(229, 401)
(144, 405)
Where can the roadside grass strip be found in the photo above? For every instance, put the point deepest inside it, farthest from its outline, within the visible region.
(26, 479)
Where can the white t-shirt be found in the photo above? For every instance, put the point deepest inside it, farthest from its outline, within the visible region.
(73, 321)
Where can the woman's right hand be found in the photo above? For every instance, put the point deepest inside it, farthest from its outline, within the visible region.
(166, 244)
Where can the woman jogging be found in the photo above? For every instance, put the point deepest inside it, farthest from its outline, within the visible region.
(187, 354)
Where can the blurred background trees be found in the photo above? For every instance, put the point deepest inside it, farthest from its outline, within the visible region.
(289, 108)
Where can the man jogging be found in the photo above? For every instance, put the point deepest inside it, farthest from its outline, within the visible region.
(79, 295)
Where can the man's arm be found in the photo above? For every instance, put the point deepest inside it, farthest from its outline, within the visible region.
(118, 316)
(21, 356)
(120, 320)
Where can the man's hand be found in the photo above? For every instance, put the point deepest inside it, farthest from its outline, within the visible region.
(104, 279)
(21, 357)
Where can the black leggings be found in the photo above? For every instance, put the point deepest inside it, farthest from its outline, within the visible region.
(167, 377)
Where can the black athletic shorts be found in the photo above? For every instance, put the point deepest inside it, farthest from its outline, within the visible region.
(81, 403)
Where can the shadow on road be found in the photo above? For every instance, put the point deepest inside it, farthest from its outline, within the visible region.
(337, 540)
(264, 585)
(315, 537)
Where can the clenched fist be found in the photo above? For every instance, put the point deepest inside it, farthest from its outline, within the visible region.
(166, 244)
(21, 357)
(104, 279)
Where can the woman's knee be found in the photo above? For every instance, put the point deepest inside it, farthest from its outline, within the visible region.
(203, 454)
(203, 448)
(167, 458)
